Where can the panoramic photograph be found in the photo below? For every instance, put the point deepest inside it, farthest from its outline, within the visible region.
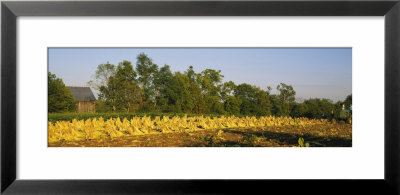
(199, 97)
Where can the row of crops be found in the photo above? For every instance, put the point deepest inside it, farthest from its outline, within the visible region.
(54, 117)
(109, 127)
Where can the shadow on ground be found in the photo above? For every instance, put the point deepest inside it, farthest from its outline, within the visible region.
(276, 139)
(315, 136)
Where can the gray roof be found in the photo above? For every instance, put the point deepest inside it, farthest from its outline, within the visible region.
(82, 93)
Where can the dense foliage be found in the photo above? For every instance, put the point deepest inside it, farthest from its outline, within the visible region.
(60, 98)
(149, 88)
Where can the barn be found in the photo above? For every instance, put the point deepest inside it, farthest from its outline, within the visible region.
(85, 100)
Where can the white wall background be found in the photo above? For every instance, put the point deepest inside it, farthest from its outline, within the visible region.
(364, 160)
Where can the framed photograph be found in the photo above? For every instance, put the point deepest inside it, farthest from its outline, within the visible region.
(220, 97)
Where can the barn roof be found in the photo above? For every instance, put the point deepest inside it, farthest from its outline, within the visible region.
(82, 93)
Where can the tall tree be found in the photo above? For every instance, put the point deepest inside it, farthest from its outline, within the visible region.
(147, 71)
(248, 96)
(195, 91)
(60, 98)
(211, 86)
(121, 91)
(232, 105)
(263, 103)
(316, 108)
(101, 76)
(211, 81)
(286, 96)
(299, 110)
(227, 90)
(162, 82)
(276, 108)
(180, 96)
(128, 89)
(348, 101)
(109, 94)
(101, 82)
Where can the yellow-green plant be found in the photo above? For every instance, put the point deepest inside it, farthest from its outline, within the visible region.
(97, 128)
(301, 143)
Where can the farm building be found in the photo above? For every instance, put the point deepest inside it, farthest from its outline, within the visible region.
(85, 100)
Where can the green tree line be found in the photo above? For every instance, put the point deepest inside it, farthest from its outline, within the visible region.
(60, 98)
(146, 87)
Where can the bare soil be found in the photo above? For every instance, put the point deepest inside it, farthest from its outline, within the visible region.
(332, 135)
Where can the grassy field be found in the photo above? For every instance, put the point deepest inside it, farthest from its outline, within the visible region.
(96, 130)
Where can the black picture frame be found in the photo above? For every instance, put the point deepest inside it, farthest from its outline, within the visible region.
(10, 10)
